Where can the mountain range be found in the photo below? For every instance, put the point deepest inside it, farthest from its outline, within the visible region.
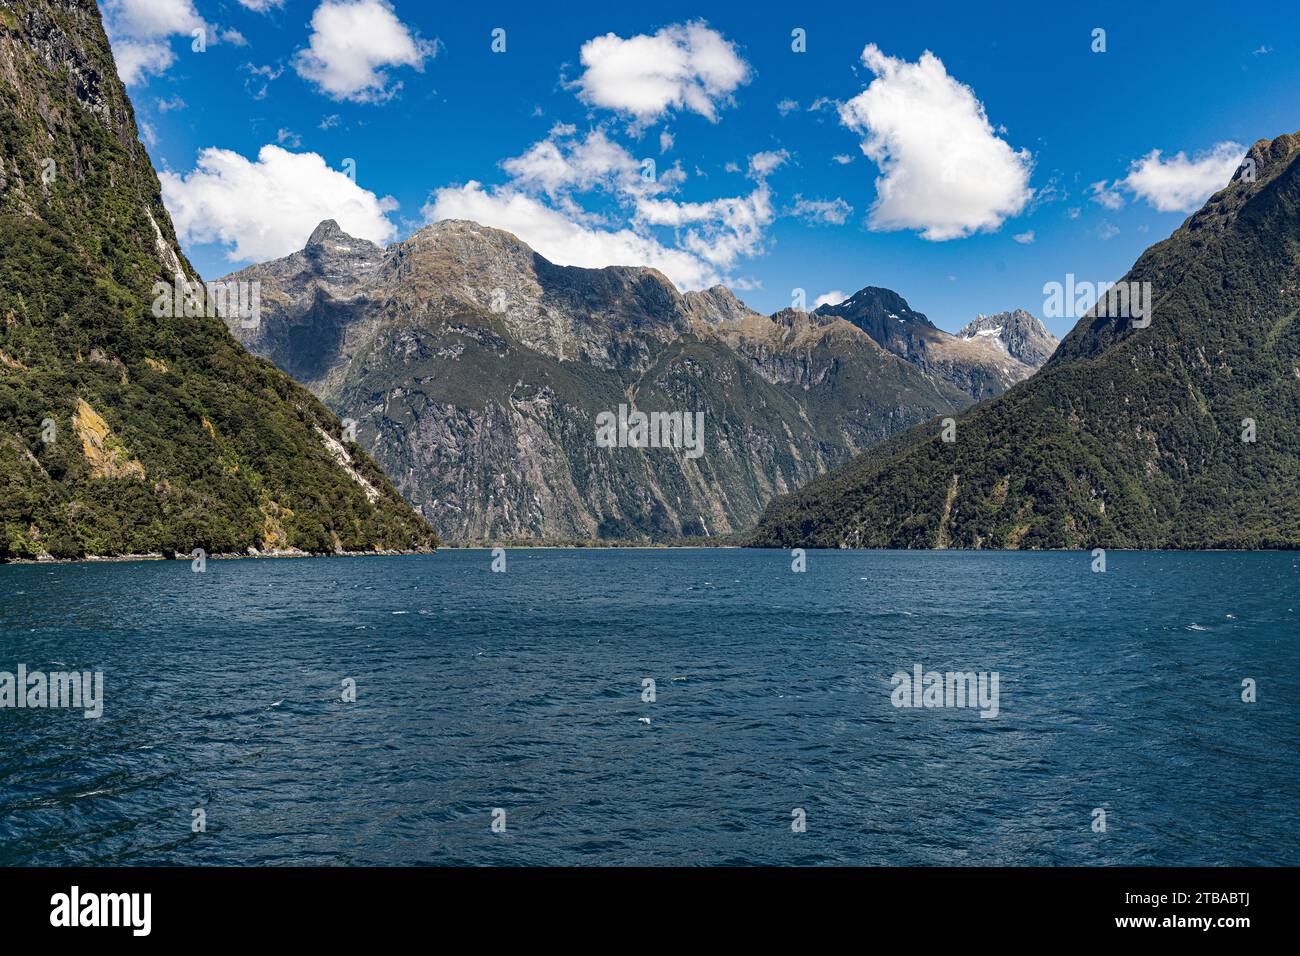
(475, 370)
(1177, 427)
(127, 426)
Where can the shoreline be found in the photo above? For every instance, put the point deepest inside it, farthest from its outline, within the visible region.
(222, 556)
(392, 552)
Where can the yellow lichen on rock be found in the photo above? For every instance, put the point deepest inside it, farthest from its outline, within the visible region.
(107, 457)
(274, 537)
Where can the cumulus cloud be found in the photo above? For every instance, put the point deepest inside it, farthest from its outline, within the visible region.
(834, 297)
(687, 67)
(1024, 238)
(720, 231)
(562, 240)
(152, 18)
(350, 43)
(140, 33)
(1179, 184)
(261, 6)
(267, 208)
(137, 59)
(539, 205)
(944, 170)
(562, 164)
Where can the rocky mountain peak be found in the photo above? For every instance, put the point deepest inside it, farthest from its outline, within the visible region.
(717, 305)
(329, 240)
(1018, 333)
(974, 364)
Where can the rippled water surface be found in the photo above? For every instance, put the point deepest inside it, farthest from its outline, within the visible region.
(523, 691)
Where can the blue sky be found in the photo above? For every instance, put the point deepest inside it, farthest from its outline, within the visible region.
(979, 187)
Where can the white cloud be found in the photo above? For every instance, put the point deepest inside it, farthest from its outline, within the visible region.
(350, 42)
(152, 18)
(787, 106)
(834, 212)
(267, 208)
(666, 141)
(260, 78)
(137, 59)
(1024, 238)
(1106, 194)
(140, 33)
(562, 240)
(539, 206)
(944, 170)
(834, 297)
(842, 158)
(763, 164)
(681, 67)
(261, 6)
(720, 231)
(1179, 184)
(560, 165)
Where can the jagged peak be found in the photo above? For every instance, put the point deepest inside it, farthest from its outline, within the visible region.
(330, 231)
(717, 304)
(1268, 153)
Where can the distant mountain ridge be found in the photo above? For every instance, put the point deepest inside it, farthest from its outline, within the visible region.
(1180, 432)
(976, 365)
(475, 368)
(1020, 334)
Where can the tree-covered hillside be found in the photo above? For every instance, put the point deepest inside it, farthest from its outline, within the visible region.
(122, 431)
(1182, 434)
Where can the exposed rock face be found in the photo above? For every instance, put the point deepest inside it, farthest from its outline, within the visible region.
(476, 370)
(1020, 334)
(975, 364)
(124, 428)
(1178, 430)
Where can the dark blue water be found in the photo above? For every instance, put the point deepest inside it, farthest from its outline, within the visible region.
(522, 691)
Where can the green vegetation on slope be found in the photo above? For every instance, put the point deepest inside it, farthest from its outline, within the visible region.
(1128, 438)
(122, 432)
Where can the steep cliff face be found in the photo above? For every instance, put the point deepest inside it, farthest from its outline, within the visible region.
(1175, 431)
(1018, 333)
(124, 429)
(980, 366)
(476, 372)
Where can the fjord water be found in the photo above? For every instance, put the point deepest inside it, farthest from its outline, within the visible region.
(522, 691)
